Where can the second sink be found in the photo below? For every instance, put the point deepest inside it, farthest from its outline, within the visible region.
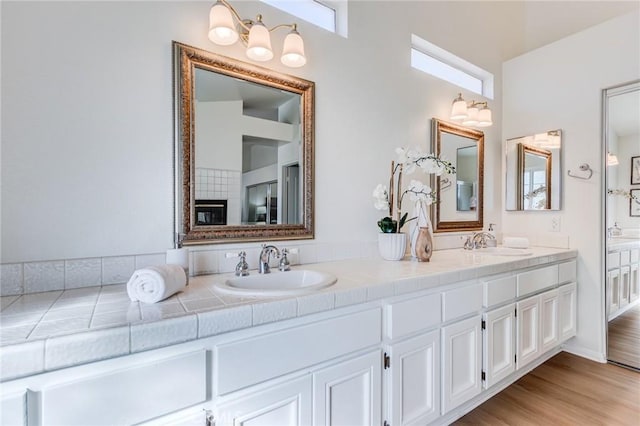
(290, 283)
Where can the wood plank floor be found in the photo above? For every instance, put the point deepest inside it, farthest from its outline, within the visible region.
(565, 390)
(624, 338)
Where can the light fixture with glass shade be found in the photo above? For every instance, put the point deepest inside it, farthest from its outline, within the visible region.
(254, 34)
(473, 113)
(612, 159)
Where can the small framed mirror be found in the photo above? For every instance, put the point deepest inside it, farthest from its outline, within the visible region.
(244, 150)
(459, 204)
(533, 172)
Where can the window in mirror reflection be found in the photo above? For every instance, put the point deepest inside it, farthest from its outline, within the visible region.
(247, 151)
(536, 178)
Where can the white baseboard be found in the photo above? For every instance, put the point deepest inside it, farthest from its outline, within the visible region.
(585, 353)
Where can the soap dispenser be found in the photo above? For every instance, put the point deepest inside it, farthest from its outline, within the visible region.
(492, 242)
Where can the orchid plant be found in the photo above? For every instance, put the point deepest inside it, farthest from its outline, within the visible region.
(408, 161)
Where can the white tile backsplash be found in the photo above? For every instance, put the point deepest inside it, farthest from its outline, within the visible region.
(117, 269)
(43, 276)
(82, 273)
(144, 260)
(11, 279)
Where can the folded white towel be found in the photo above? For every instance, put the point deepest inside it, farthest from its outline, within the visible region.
(156, 283)
(516, 242)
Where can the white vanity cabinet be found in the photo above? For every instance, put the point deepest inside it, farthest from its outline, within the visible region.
(412, 364)
(419, 358)
(461, 346)
(498, 360)
(634, 282)
(613, 293)
(286, 404)
(348, 393)
(623, 285)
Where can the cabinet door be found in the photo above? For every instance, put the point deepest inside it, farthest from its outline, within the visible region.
(286, 404)
(567, 298)
(624, 286)
(528, 330)
(548, 320)
(13, 409)
(349, 393)
(634, 283)
(415, 380)
(461, 362)
(499, 344)
(613, 292)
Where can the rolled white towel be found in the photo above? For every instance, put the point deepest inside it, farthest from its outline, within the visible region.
(515, 242)
(156, 283)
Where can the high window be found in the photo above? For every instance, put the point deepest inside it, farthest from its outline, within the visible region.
(446, 66)
(328, 14)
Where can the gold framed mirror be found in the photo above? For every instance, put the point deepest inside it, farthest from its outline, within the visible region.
(459, 204)
(244, 151)
(534, 180)
(532, 171)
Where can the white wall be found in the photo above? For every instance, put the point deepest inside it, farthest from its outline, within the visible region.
(87, 130)
(559, 86)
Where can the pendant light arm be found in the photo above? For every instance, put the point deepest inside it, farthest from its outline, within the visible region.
(244, 23)
(294, 27)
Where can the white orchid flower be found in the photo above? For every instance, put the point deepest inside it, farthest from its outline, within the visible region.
(418, 191)
(402, 155)
(381, 195)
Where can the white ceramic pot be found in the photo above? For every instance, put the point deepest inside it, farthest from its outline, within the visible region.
(392, 246)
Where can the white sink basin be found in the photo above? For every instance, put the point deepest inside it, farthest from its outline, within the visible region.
(289, 283)
(503, 251)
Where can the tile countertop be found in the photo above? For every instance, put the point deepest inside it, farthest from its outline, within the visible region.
(47, 331)
(621, 243)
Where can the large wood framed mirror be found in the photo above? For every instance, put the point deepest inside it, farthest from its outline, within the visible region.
(459, 196)
(244, 150)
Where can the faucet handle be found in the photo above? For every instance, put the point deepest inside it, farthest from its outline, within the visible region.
(242, 268)
(284, 264)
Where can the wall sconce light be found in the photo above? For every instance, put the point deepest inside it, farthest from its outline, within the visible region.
(612, 159)
(472, 114)
(253, 34)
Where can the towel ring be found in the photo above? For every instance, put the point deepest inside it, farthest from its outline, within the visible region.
(445, 183)
(583, 168)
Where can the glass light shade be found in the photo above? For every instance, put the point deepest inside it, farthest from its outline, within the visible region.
(612, 159)
(484, 117)
(221, 28)
(472, 116)
(259, 45)
(459, 108)
(293, 50)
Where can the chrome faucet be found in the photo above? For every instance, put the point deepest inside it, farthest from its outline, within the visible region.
(478, 240)
(263, 266)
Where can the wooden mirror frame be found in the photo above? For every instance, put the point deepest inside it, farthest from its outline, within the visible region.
(185, 60)
(437, 128)
(523, 150)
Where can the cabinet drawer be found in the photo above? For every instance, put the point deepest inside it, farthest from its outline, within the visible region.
(462, 301)
(613, 260)
(625, 257)
(538, 279)
(246, 362)
(129, 396)
(567, 272)
(635, 255)
(499, 291)
(408, 316)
